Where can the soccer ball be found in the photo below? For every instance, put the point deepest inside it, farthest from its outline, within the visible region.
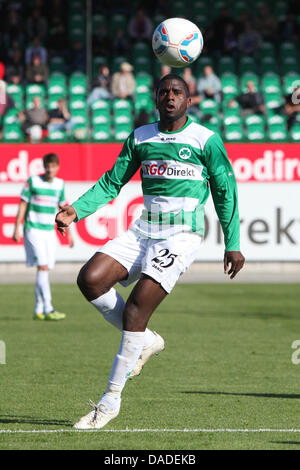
(177, 42)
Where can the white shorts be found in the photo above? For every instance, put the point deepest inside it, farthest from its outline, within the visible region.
(40, 247)
(163, 260)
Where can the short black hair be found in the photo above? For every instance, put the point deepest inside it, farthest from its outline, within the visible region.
(50, 158)
(173, 76)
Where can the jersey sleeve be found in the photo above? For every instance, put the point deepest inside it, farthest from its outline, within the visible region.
(27, 190)
(110, 184)
(224, 191)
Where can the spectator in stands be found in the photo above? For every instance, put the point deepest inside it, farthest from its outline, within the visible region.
(252, 102)
(15, 65)
(266, 24)
(6, 103)
(37, 72)
(196, 99)
(289, 29)
(101, 85)
(78, 56)
(249, 41)
(60, 118)
(37, 25)
(291, 108)
(34, 120)
(209, 86)
(230, 40)
(123, 82)
(140, 26)
(36, 49)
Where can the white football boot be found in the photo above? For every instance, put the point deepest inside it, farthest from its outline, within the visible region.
(97, 418)
(155, 348)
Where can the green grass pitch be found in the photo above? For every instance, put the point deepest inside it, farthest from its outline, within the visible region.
(227, 366)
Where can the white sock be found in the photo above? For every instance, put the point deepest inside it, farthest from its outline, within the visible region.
(112, 306)
(39, 303)
(44, 287)
(130, 349)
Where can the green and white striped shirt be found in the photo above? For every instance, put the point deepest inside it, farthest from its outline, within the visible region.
(43, 198)
(178, 170)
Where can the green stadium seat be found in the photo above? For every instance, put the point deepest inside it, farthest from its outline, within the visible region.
(201, 63)
(57, 85)
(80, 132)
(77, 102)
(13, 133)
(101, 133)
(144, 101)
(290, 81)
(213, 123)
(122, 131)
(209, 106)
(270, 83)
(11, 117)
(15, 91)
(232, 118)
(78, 84)
(57, 64)
(97, 62)
(140, 49)
(35, 90)
(279, 119)
(118, 21)
(267, 49)
(287, 49)
(277, 133)
(268, 64)
(295, 133)
(226, 64)
(254, 119)
(97, 20)
(247, 65)
(255, 132)
(122, 119)
(58, 135)
(53, 101)
(101, 105)
(142, 64)
(179, 9)
(100, 116)
(273, 100)
(234, 133)
(80, 117)
(289, 64)
(121, 105)
(229, 84)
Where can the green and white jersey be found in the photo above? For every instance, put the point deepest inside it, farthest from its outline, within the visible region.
(178, 170)
(43, 198)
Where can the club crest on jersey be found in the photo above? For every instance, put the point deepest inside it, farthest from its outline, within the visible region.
(185, 153)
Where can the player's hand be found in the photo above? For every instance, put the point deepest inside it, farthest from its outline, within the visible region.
(64, 218)
(236, 261)
(16, 236)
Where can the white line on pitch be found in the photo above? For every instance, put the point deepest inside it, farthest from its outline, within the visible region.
(50, 431)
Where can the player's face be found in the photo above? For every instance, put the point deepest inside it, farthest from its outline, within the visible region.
(50, 170)
(172, 101)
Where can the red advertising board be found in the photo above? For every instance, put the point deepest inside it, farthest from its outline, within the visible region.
(87, 162)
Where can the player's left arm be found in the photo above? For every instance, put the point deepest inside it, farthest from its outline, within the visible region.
(225, 197)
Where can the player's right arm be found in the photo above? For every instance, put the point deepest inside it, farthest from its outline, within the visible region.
(105, 190)
(20, 217)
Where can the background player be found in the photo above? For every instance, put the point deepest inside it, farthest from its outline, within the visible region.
(40, 198)
(177, 158)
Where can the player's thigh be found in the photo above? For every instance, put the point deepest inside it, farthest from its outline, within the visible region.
(166, 260)
(39, 247)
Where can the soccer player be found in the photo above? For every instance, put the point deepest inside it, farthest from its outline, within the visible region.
(40, 198)
(179, 161)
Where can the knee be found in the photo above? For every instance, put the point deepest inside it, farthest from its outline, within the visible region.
(90, 283)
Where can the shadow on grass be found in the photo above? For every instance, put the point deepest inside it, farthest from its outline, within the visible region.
(10, 419)
(264, 395)
(292, 443)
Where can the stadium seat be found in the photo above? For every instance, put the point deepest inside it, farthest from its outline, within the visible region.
(97, 20)
(279, 119)
(249, 77)
(53, 101)
(80, 117)
(121, 105)
(277, 132)
(101, 105)
(122, 131)
(295, 133)
(57, 85)
(57, 136)
(57, 64)
(96, 62)
(270, 83)
(234, 132)
(35, 90)
(101, 133)
(226, 64)
(144, 101)
(78, 84)
(255, 132)
(118, 21)
(13, 133)
(254, 119)
(268, 64)
(232, 118)
(77, 102)
(140, 49)
(100, 116)
(289, 64)
(290, 81)
(229, 84)
(201, 63)
(15, 91)
(11, 117)
(247, 65)
(273, 100)
(142, 64)
(209, 106)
